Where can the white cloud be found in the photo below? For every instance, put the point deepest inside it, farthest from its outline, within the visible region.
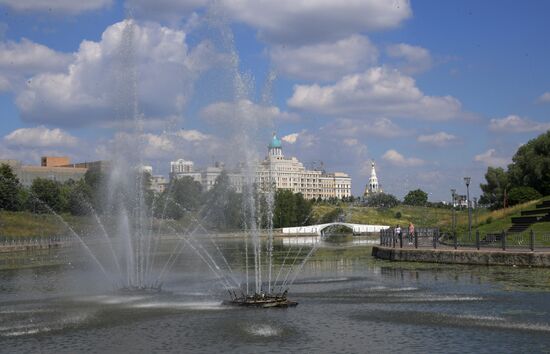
(324, 61)
(40, 137)
(56, 6)
(376, 92)
(163, 10)
(516, 124)
(192, 135)
(490, 158)
(244, 111)
(380, 127)
(437, 139)
(396, 159)
(415, 59)
(20, 60)
(544, 98)
(98, 83)
(303, 21)
(291, 138)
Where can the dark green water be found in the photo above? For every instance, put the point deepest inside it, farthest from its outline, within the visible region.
(348, 303)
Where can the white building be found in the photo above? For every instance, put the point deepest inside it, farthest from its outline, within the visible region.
(289, 173)
(373, 186)
(274, 171)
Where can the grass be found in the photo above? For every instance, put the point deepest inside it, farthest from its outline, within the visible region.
(486, 221)
(26, 224)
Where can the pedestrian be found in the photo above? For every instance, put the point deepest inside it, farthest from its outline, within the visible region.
(411, 232)
(397, 232)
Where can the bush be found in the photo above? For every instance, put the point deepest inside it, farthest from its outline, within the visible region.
(520, 195)
(489, 220)
(398, 215)
(417, 197)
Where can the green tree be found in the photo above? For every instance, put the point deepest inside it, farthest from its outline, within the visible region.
(531, 165)
(182, 195)
(9, 189)
(223, 205)
(494, 192)
(520, 195)
(416, 197)
(78, 200)
(381, 200)
(48, 192)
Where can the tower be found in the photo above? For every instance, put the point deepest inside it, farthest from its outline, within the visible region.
(373, 186)
(274, 149)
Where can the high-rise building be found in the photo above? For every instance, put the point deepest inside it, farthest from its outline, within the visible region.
(373, 186)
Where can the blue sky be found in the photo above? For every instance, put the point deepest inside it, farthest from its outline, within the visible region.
(431, 90)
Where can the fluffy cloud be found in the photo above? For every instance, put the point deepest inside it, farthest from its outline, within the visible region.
(376, 92)
(324, 61)
(243, 112)
(290, 138)
(381, 127)
(20, 60)
(40, 137)
(414, 59)
(437, 139)
(516, 124)
(396, 159)
(99, 83)
(56, 6)
(307, 21)
(544, 98)
(163, 147)
(490, 158)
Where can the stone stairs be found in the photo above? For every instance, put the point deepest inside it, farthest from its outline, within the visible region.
(541, 213)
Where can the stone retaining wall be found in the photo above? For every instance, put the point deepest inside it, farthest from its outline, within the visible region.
(482, 257)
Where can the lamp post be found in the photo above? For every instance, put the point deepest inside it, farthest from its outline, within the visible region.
(467, 181)
(453, 218)
(475, 211)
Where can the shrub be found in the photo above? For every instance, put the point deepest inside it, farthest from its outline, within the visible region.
(520, 195)
(398, 215)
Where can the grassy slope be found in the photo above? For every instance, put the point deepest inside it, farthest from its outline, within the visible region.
(25, 224)
(485, 220)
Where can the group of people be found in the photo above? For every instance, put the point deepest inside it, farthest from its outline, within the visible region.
(409, 234)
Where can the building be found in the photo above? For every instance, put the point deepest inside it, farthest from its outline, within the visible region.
(182, 168)
(275, 171)
(52, 168)
(289, 173)
(373, 186)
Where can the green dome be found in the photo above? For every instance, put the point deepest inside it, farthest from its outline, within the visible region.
(275, 142)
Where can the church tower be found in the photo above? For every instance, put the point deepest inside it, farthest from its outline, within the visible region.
(373, 186)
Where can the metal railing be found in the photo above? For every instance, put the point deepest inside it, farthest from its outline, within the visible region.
(432, 238)
(21, 242)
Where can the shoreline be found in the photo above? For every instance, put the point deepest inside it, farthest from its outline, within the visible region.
(466, 257)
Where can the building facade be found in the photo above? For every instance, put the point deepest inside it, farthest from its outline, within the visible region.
(52, 168)
(274, 172)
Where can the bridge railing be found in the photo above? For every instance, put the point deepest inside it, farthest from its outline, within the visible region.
(433, 238)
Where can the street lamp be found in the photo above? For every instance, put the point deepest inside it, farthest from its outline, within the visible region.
(467, 181)
(453, 220)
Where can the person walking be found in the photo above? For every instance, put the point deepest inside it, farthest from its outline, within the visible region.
(397, 233)
(411, 233)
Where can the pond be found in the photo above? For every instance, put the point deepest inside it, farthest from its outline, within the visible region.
(348, 302)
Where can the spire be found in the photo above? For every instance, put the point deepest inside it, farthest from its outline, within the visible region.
(373, 185)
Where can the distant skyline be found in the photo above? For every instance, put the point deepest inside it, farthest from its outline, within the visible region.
(431, 90)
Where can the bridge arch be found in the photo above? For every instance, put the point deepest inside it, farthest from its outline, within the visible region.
(322, 228)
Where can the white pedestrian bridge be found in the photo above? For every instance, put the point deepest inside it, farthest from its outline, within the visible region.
(318, 229)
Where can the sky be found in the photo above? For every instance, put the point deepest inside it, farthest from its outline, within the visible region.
(432, 91)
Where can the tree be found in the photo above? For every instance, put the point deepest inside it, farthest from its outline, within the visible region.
(45, 192)
(9, 189)
(494, 192)
(381, 200)
(520, 195)
(416, 197)
(531, 165)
